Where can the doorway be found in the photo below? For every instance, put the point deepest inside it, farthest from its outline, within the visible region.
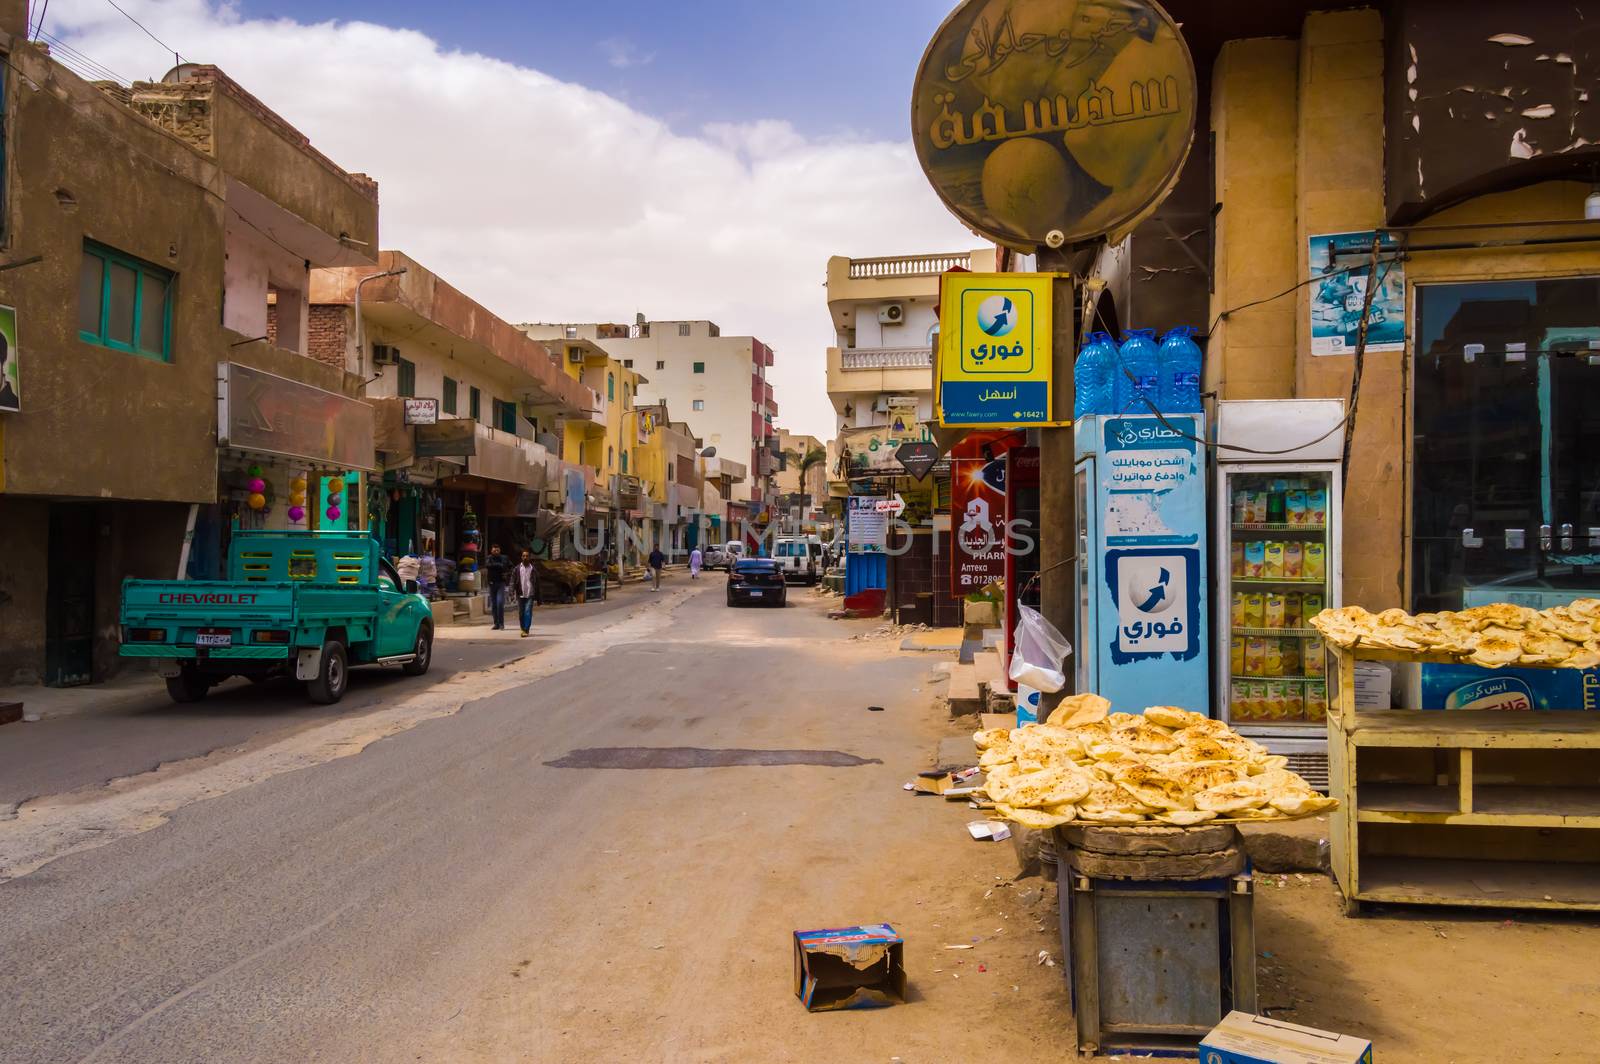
(70, 603)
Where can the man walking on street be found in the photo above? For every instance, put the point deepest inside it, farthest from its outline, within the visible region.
(525, 581)
(657, 560)
(696, 560)
(497, 568)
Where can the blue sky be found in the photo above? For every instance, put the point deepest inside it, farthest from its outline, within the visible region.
(826, 66)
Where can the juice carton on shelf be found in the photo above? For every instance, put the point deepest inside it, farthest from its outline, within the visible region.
(1254, 609)
(1239, 700)
(1294, 502)
(1255, 656)
(1316, 701)
(1255, 553)
(1294, 610)
(1272, 657)
(1236, 656)
(1238, 558)
(1293, 559)
(1275, 699)
(1311, 605)
(1273, 610)
(1257, 507)
(1314, 566)
(1290, 656)
(1294, 701)
(1272, 560)
(1315, 657)
(1239, 609)
(1240, 507)
(1258, 699)
(1317, 507)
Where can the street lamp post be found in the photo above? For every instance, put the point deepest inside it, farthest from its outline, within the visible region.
(361, 353)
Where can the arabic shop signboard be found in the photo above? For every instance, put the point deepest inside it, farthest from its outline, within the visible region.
(452, 437)
(420, 411)
(994, 349)
(259, 411)
(1051, 122)
(873, 449)
(978, 503)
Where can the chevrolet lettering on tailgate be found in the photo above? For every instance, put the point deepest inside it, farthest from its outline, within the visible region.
(209, 598)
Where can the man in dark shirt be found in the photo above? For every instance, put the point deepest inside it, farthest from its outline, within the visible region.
(657, 560)
(498, 570)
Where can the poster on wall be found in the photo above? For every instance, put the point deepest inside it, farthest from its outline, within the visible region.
(977, 515)
(10, 377)
(868, 529)
(1341, 268)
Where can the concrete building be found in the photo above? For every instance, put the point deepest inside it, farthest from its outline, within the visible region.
(147, 230)
(880, 369)
(717, 384)
(423, 339)
(797, 483)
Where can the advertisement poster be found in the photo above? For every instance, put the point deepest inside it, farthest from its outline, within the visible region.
(1341, 268)
(1149, 467)
(868, 528)
(1511, 689)
(1158, 607)
(977, 508)
(994, 349)
(10, 373)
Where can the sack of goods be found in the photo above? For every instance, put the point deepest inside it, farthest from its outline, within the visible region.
(1164, 766)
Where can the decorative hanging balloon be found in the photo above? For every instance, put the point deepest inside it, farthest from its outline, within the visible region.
(255, 471)
(334, 500)
(257, 485)
(298, 484)
(297, 498)
(333, 513)
(297, 514)
(336, 484)
(257, 501)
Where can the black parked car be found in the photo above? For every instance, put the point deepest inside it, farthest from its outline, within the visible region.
(757, 580)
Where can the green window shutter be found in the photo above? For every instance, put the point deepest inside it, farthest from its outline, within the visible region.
(449, 400)
(475, 405)
(611, 387)
(699, 367)
(124, 304)
(408, 378)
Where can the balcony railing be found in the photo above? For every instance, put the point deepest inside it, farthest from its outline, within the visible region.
(909, 265)
(886, 358)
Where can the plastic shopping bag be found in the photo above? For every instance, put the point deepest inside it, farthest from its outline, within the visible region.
(1040, 650)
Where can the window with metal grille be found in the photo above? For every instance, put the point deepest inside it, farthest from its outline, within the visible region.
(124, 304)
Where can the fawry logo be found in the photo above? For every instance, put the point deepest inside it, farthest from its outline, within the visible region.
(997, 315)
(1505, 693)
(208, 598)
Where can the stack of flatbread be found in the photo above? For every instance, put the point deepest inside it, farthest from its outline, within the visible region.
(1494, 635)
(1164, 766)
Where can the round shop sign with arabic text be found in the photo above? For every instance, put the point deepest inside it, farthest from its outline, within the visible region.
(1051, 122)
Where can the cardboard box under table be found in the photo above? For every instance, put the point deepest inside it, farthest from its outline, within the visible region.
(849, 968)
(1245, 1039)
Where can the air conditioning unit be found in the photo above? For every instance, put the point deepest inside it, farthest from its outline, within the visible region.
(575, 354)
(880, 405)
(892, 313)
(385, 355)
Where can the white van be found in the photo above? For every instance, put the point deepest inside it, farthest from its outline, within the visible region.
(800, 558)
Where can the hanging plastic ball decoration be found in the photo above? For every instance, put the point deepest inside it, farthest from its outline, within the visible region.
(336, 484)
(257, 501)
(297, 514)
(298, 484)
(255, 471)
(333, 513)
(257, 486)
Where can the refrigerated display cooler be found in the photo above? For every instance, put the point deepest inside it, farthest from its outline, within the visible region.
(1277, 564)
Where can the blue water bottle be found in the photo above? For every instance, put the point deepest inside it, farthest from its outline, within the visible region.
(1092, 376)
(1138, 372)
(1179, 358)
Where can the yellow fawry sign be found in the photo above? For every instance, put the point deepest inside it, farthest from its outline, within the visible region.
(994, 349)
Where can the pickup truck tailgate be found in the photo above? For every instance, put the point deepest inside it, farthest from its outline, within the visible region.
(200, 602)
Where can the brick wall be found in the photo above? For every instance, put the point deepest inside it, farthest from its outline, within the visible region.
(326, 329)
(272, 323)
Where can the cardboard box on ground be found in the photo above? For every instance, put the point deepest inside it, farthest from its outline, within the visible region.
(1243, 1038)
(849, 968)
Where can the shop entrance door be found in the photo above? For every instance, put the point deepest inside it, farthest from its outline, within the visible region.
(69, 602)
(1506, 491)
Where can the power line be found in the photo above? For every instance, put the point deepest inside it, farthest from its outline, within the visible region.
(146, 29)
(60, 48)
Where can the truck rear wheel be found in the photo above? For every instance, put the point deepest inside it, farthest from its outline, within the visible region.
(187, 686)
(333, 675)
(423, 651)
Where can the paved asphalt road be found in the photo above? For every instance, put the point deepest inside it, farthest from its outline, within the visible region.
(602, 864)
(136, 734)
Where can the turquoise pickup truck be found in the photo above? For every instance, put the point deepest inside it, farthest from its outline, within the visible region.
(301, 604)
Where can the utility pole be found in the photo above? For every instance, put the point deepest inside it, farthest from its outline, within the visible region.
(1058, 510)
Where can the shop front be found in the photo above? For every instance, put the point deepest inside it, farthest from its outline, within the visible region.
(289, 456)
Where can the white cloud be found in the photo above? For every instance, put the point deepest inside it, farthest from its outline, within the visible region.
(622, 53)
(547, 201)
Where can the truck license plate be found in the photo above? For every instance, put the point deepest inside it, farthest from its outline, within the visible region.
(213, 639)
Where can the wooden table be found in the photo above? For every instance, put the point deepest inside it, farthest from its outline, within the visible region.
(1462, 807)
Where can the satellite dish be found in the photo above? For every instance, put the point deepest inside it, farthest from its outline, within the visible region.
(709, 452)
